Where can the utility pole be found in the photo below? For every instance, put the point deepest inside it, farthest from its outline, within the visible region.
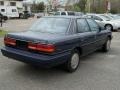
(93, 6)
(108, 6)
(89, 6)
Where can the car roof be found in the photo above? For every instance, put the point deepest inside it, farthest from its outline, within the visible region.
(69, 17)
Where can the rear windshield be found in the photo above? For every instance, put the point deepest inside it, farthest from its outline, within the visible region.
(51, 25)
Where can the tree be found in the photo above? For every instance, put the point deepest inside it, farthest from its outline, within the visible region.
(95, 6)
(39, 7)
(82, 5)
(76, 8)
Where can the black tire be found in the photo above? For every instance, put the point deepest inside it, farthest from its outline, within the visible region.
(106, 46)
(109, 27)
(68, 65)
(5, 18)
(21, 16)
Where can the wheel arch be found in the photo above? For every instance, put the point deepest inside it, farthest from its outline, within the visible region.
(109, 24)
(79, 50)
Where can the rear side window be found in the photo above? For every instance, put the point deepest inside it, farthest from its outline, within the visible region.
(2, 10)
(14, 10)
(57, 13)
(63, 13)
(97, 18)
(82, 26)
(71, 13)
(93, 25)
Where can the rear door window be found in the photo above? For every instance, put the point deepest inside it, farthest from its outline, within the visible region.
(97, 18)
(82, 26)
(93, 25)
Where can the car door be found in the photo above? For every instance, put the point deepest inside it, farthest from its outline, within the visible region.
(99, 34)
(86, 37)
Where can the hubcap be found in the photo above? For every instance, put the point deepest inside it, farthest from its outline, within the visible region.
(75, 61)
(108, 44)
(108, 27)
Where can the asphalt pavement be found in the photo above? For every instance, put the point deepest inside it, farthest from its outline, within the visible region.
(18, 25)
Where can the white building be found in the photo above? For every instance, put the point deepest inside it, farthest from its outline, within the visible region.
(22, 6)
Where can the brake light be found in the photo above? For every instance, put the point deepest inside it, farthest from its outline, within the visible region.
(9, 41)
(49, 48)
(32, 46)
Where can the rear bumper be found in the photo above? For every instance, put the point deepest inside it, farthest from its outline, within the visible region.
(46, 61)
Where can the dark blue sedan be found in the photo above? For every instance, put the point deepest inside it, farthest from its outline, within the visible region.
(57, 40)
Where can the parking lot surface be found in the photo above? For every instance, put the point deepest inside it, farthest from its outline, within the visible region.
(18, 24)
(97, 71)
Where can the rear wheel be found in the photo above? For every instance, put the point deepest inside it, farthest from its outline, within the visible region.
(21, 15)
(106, 47)
(72, 64)
(5, 18)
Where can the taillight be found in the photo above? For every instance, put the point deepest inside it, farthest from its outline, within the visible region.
(9, 41)
(46, 48)
(32, 46)
(49, 48)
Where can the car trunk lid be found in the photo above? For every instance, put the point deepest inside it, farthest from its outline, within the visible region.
(23, 39)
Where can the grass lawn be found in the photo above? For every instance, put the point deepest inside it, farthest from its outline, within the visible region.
(2, 33)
